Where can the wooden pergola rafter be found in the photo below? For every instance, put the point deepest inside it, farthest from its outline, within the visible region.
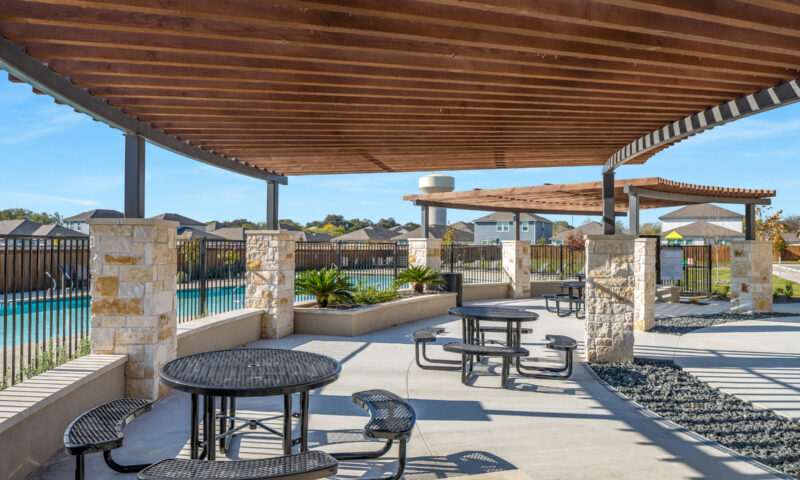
(296, 87)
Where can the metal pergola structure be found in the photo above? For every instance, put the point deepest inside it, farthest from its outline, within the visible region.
(300, 87)
(589, 198)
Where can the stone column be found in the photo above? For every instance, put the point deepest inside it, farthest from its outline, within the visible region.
(133, 266)
(751, 277)
(424, 252)
(270, 280)
(517, 267)
(644, 297)
(609, 298)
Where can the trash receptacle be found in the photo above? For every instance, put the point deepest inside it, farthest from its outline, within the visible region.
(454, 282)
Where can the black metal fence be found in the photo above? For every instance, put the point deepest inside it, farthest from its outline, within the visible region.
(557, 262)
(698, 265)
(45, 303)
(211, 277)
(477, 263)
(373, 264)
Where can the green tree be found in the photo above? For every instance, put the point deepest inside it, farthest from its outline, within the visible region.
(326, 285)
(561, 226)
(411, 225)
(650, 228)
(387, 222)
(24, 214)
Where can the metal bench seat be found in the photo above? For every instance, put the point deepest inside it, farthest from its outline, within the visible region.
(573, 300)
(552, 296)
(423, 336)
(100, 430)
(468, 350)
(391, 418)
(554, 342)
(300, 466)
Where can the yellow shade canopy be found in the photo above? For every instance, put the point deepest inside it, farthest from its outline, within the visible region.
(673, 235)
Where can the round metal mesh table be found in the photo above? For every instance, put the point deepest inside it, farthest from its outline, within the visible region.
(250, 372)
(493, 313)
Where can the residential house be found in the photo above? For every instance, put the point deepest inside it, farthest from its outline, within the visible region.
(499, 226)
(438, 231)
(591, 228)
(702, 233)
(372, 233)
(78, 222)
(27, 228)
(182, 221)
(467, 227)
(196, 233)
(399, 229)
(702, 213)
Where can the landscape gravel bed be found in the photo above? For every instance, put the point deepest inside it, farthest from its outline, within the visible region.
(680, 397)
(678, 325)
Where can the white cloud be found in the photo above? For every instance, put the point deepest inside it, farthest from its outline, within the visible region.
(39, 197)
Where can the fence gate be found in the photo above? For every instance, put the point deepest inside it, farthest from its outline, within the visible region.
(698, 264)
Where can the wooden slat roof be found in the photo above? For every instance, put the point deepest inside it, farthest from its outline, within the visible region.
(344, 86)
(583, 198)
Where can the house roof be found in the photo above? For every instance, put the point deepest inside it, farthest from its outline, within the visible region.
(230, 233)
(52, 231)
(174, 217)
(438, 231)
(315, 237)
(191, 233)
(508, 216)
(399, 229)
(469, 227)
(210, 227)
(591, 228)
(33, 229)
(410, 86)
(701, 211)
(791, 238)
(373, 233)
(97, 213)
(701, 229)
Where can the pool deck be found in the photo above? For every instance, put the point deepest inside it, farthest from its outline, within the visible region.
(570, 429)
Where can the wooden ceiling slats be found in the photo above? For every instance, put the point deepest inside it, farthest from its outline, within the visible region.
(344, 86)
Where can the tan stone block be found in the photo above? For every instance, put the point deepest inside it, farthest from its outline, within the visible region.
(254, 265)
(116, 307)
(112, 321)
(115, 244)
(131, 290)
(139, 370)
(135, 353)
(137, 274)
(135, 336)
(142, 388)
(105, 287)
(122, 259)
(140, 321)
(142, 233)
(102, 340)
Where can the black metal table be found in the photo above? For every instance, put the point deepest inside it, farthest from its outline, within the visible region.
(247, 372)
(580, 286)
(471, 317)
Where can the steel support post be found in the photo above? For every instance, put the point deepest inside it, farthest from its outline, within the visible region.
(272, 206)
(424, 221)
(516, 226)
(750, 222)
(134, 176)
(633, 202)
(608, 203)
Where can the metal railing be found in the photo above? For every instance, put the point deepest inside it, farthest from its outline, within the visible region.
(477, 263)
(557, 262)
(45, 303)
(373, 264)
(698, 265)
(210, 278)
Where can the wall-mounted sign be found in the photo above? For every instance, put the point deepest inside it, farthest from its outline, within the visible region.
(671, 263)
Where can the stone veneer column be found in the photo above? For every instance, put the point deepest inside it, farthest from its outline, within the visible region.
(751, 277)
(425, 252)
(609, 298)
(270, 280)
(517, 267)
(644, 296)
(133, 266)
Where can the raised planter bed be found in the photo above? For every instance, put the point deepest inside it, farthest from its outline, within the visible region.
(358, 321)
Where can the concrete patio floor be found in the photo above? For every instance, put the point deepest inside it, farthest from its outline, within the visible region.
(547, 428)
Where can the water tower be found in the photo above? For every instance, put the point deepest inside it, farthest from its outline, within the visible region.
(436, 183)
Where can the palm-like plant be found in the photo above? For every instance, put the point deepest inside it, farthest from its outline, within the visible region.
(418, 277)
(326, 284)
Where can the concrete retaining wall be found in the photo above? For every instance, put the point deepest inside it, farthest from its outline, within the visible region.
(358, 321)
(35, 413)
(218, 332)
(485, 291)
(541, 287)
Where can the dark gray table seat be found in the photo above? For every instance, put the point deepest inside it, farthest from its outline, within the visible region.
(300, 466)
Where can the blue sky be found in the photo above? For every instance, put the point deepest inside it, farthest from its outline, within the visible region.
(53, 159)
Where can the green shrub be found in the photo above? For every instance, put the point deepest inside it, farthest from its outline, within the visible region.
(327, 285)
(789, 289)
(418, 277)
(47, 359)
(370, 295)
(182, 277)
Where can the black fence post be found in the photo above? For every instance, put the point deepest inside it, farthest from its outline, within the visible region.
(710, 270)
(203, 275)
(452, 256)
(396, 259)
(338, 254)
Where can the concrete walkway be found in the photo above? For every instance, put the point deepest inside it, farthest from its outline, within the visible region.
(787, 272)
(549, 429)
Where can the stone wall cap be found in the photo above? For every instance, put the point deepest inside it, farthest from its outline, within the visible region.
(187, 329)
(22, 400)
(132, 221)
(611, 237)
